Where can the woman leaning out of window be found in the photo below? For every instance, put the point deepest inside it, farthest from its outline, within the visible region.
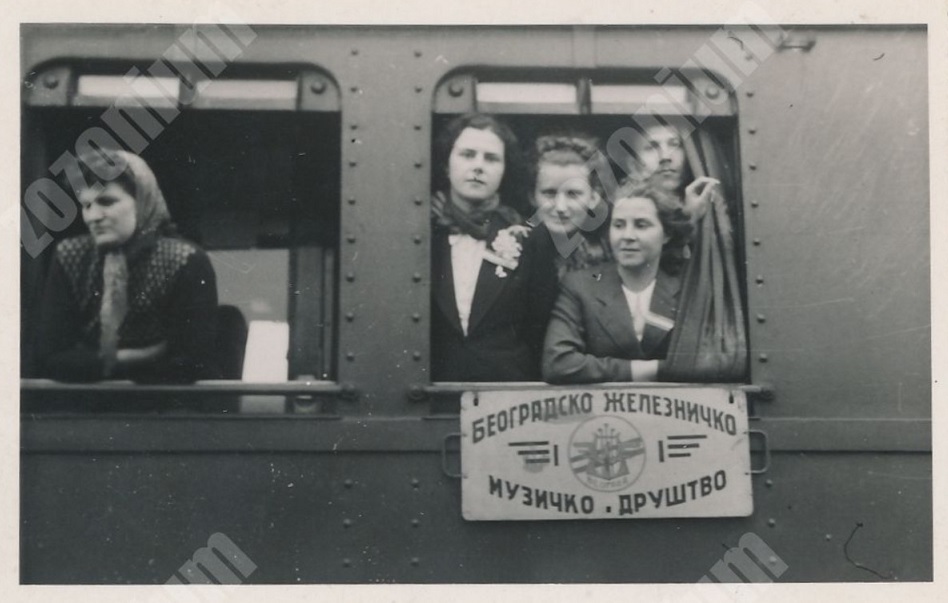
(614, 322)
(128, 300)
(493, 281)
(570, 200)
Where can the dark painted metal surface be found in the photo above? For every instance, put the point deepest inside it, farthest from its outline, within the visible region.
(841, 149)
(93, 432)
(289, 512)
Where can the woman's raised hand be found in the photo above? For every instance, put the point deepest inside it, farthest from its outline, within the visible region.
(698, 196)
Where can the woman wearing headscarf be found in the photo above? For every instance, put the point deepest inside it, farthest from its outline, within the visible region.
(128, 300)
(493, 281)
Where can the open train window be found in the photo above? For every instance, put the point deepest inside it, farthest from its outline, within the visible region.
(613, 107)
(249, 165)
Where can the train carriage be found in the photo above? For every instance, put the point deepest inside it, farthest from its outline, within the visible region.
(300, 157)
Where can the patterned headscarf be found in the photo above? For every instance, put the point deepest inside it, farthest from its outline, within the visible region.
(131, 172)
(151, 220)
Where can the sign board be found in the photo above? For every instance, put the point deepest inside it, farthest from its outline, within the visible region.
(607, 452)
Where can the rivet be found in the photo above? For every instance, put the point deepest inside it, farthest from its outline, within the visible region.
(415, 523)
(456, 89)
(752, 165)
(419, 201)
(417, 239)
(418, 89)
(352, 163)
(415, 483)
(771, 522)
(350, 276)
(418, 126)
(417, 393)
(347, 483)
(350, 316)
(419, 164)
(755, 203)
(752, 130)
(712, 91)
(51, 81)
(750, 93)
(351, 238)
(762, 357)
(417, 53)
(318, 86)
(416, 317)
(415, 561)
(761, 318)
(772, 559)
(354, 51)
(757, 242)
(352, 201)
(416, 277)
(347, 523)
(347, 562)
(759, 279)
(354, 89)
(749, 55)
(353, 126)
(828, 537)
(769, 483)
(416, 355)
(350, 356)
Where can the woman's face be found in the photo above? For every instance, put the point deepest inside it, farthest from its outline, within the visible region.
(563, 196)
(636, 233)
(109, 214)
(476, 165)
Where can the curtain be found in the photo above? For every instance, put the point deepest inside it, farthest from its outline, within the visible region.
(709, 343)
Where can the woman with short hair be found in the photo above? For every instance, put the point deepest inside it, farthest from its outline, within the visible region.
(493, 282)
(570, 199)
(614, 322)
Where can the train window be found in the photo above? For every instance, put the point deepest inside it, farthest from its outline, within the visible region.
(612, 107)
(249, 166)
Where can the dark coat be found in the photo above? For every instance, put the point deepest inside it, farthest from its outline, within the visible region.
(591, 337)
(508, 315)
(172, 297)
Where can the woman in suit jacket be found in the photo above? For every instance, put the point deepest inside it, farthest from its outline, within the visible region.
(614, 322)
(493, 280)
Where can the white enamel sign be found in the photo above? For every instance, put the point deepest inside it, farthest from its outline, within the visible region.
(612, 452)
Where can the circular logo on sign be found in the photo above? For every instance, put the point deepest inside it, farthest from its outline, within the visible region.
(606, 453)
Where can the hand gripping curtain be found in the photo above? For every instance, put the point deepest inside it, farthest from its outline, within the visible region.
(709, 343)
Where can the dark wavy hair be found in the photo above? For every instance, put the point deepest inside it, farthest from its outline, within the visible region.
(674, 221)
(511, 188)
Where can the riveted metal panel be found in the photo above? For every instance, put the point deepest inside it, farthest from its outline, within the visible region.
(320, 517)
(834, 148)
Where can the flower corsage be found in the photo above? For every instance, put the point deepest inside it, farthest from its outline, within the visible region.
(506, 248)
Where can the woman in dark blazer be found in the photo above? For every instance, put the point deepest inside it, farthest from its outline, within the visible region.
(614, 322)
(493, 279)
